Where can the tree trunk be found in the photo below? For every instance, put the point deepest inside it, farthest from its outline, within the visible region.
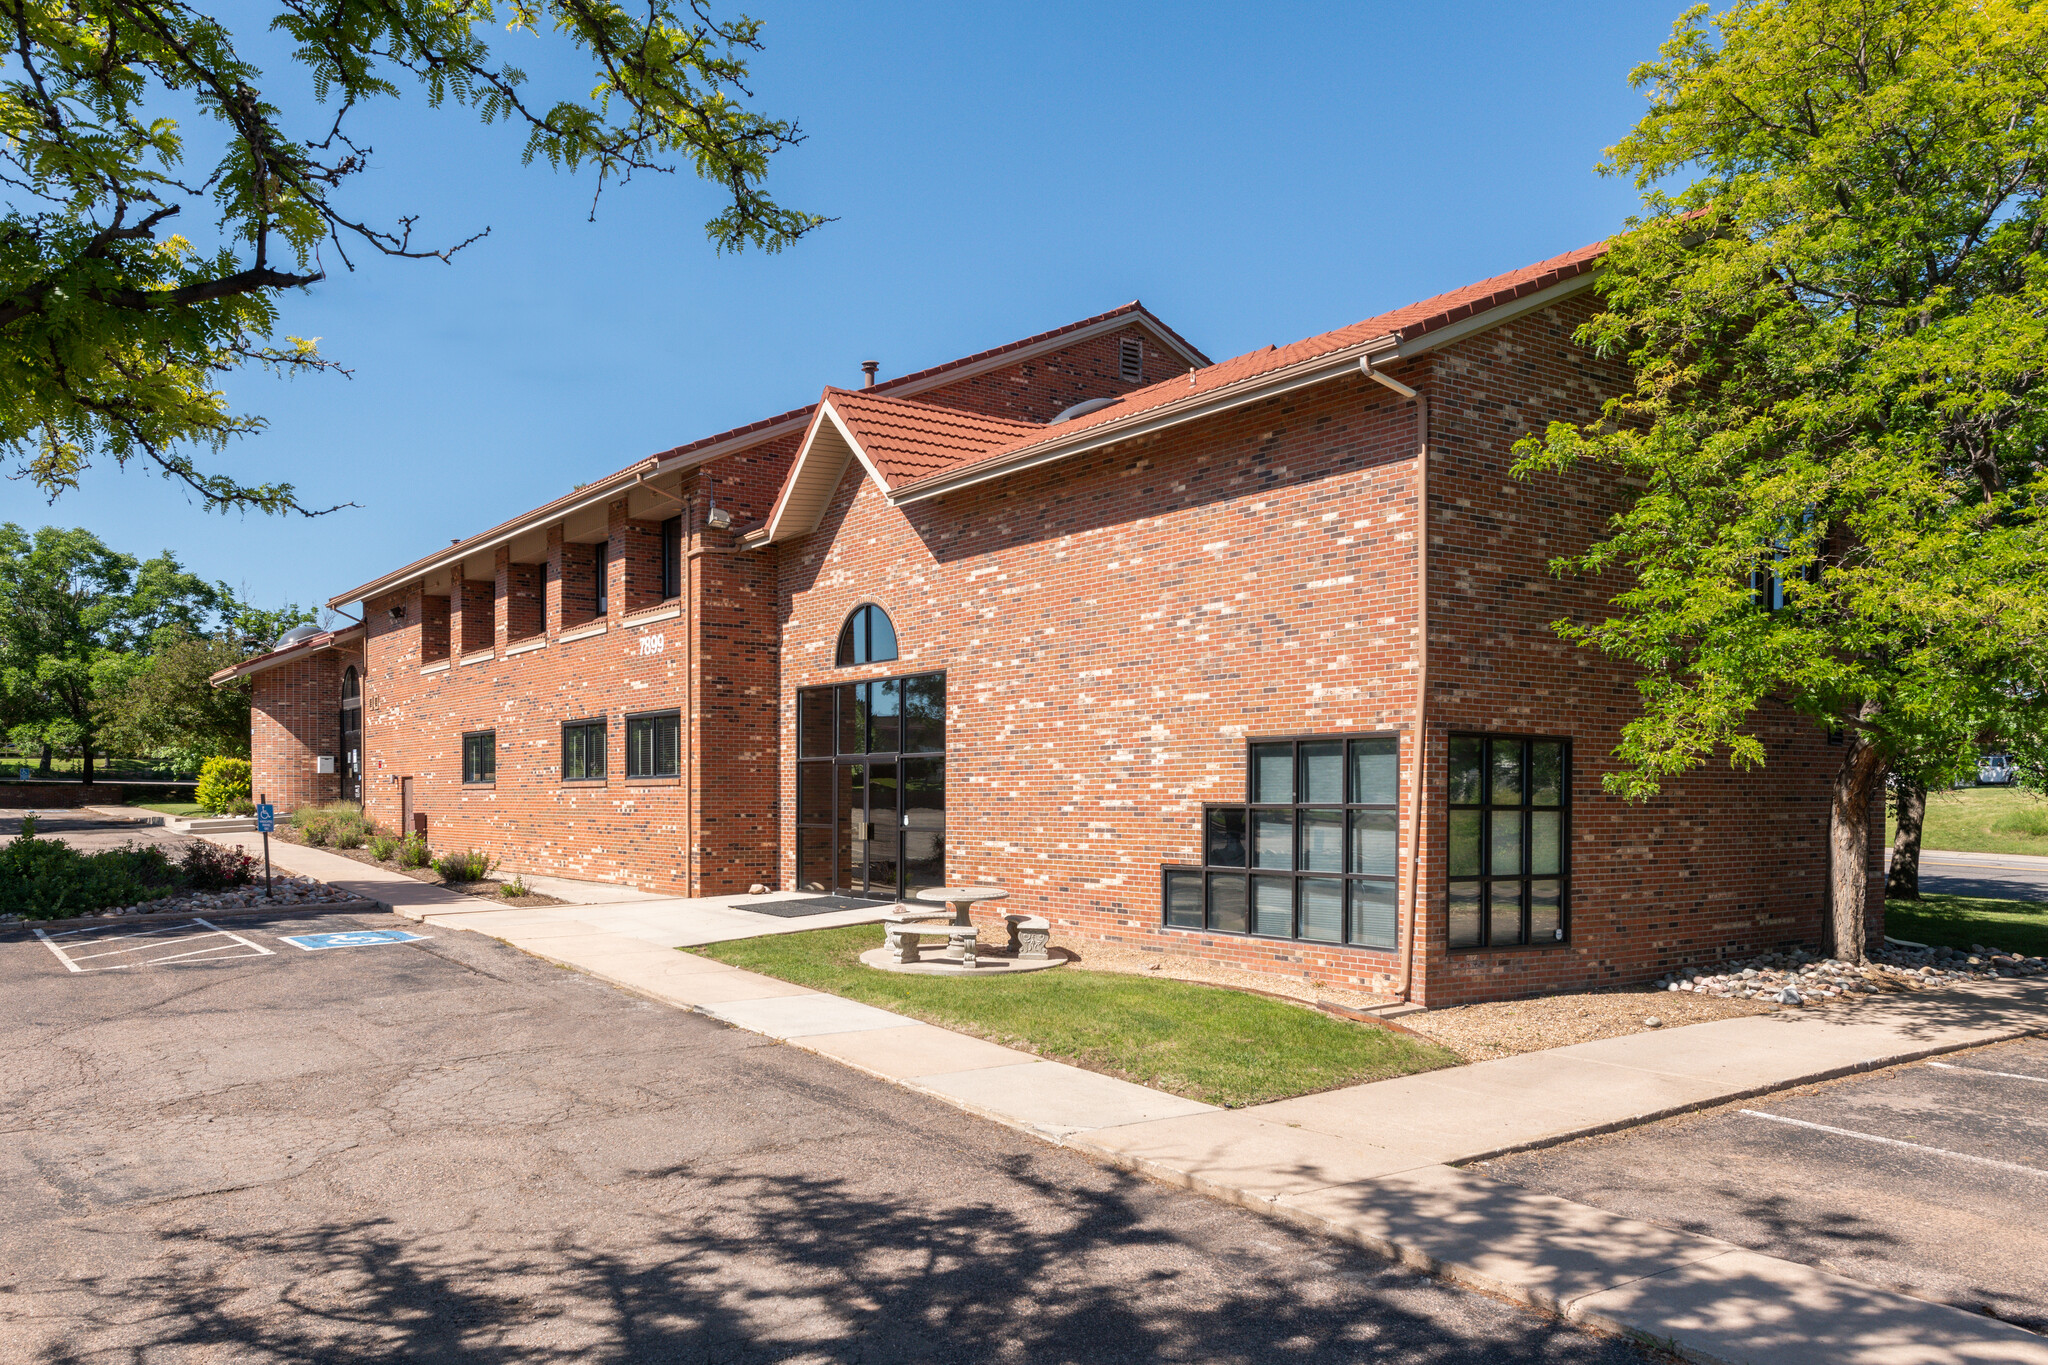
(49, 755)
(85, 760)
(1856, 784)
(1903, 881)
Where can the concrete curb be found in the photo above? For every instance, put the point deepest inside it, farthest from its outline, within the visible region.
(353, 907)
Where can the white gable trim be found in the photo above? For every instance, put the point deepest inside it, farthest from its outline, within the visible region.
(814, 476)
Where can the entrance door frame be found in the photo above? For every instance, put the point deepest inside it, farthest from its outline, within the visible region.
(834, 730)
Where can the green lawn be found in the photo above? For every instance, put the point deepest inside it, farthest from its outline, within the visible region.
(177, 808)
(1959, 921)
(1982, 820)
(1219, 1046)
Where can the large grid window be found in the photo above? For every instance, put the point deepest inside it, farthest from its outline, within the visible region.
(583, 746)
(1311, 854)
(1510, 841)
(480, 757)
(654, 745)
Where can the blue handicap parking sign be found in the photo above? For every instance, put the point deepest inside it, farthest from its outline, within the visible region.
(355, 938)
(266, 817)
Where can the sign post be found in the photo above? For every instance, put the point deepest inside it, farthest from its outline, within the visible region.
(266, 821)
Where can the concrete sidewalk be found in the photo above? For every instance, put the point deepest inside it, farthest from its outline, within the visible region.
(1376, 1165)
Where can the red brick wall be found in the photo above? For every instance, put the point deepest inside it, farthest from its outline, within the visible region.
(294, 718)
(1112, 630)
(718, 661)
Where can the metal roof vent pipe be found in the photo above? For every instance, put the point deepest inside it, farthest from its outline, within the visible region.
(868, 368)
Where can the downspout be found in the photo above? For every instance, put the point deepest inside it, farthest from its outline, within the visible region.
(1414, 878)
(689, 698)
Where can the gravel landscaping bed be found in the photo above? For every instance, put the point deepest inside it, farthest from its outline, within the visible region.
(1799, 978)
(286, 892)
(1504, 1028)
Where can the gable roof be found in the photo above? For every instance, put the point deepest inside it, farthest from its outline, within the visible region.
(949, 459)
(312, 644)
(752, 434)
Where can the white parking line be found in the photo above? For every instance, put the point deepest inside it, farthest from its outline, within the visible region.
(1897, 1142)
(1980, 1071)
(146, 940)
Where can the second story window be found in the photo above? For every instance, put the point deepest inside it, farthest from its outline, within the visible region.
(672, 558)
(868, 637)
(598, 556)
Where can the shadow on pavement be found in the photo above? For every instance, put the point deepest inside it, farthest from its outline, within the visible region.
(757, 1267)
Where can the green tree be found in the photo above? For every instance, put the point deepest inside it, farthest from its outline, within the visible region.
(81, 623)
(168, 705)
(113, 332)
(1839, 335)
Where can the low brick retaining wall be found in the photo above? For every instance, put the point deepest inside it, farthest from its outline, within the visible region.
(17, 795)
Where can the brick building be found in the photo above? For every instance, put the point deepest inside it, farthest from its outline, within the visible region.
(1138, 637)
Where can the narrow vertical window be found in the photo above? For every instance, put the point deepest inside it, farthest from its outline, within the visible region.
(1509, 836)
(672, 558)
(599, 554)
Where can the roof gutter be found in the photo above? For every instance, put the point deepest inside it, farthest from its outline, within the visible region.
(1334, 365)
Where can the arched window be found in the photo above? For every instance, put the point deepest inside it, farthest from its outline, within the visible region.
(867, 637)
(351, 686)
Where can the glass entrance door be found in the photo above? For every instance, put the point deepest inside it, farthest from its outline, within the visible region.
(871, 787)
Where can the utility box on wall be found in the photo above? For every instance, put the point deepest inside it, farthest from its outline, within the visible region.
(324, 763)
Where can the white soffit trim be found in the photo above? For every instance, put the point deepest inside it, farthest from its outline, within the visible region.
(1494, 317)
(808, 485)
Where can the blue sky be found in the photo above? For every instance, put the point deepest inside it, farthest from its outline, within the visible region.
(1255, 174)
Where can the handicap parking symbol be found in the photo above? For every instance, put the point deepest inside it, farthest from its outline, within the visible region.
(357, 938)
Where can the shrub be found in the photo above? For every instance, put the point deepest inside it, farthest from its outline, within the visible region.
(515, 887)
(470, 865)
(2034, 822)
(413, 852)
(223, 785)
(49, 879)
(209, 867)
(340, 825)
(383, 847)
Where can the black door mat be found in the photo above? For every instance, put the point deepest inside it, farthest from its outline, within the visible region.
(809, 905)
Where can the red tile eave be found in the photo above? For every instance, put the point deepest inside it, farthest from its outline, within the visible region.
(1400, 324)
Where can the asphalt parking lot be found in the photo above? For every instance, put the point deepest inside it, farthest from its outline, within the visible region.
(1930, 1178)
(444, 1150)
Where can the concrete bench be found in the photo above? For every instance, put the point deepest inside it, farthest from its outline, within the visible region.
(1029, 935)
(903, 936)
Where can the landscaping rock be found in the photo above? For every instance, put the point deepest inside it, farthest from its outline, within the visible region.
(1798, 978)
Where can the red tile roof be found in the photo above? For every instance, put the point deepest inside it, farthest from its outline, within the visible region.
(906, 439)
(1415, 320)
(764, 427)
(918, 377)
